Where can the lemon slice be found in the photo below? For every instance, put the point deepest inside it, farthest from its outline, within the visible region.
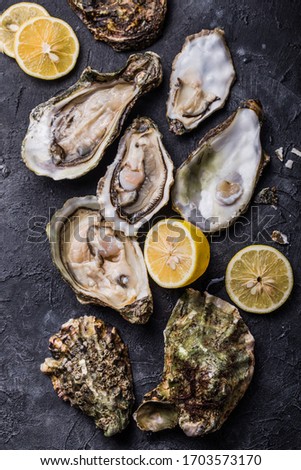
(176, 253)
(6, 41)
(259, 279)
(46, 48)
(12, 19)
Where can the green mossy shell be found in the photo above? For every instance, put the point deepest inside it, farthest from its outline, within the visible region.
(208, 366)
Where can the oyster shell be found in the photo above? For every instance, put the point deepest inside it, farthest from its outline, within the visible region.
(101, 265)
(68, 135)
(91, 369)
(279, 237)
(214, 186)
(200, 82)
(208, 366)
(137, 184)
(267, 196)
(125, 24)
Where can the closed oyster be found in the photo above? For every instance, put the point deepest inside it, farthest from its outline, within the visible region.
(208, 366)
(123, 24)
(91, 369)
(202, 75)
(68, 135)
(102, 265)
(138, 182)
(214, 186)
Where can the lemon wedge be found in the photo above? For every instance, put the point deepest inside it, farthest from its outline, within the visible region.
(176, 253)
(259, 279)
(46, 48)
(11, 20)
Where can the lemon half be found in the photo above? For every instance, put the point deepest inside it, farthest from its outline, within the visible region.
(176, 253)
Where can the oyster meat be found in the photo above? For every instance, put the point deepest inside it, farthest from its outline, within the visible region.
(137, 184)
(68, 135)
(200, 82)
(214, 186)
(123, 24)
(103, 266)
(208, 366)
(91, 370)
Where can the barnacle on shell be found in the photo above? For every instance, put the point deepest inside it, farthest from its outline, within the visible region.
(91, 369)
(208, 366)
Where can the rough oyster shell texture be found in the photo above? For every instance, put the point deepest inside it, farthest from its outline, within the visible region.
(137, 184)
(101, 265)
(208, 365)
(91, 369)
(200, 82)
(214, 186)
(123, 24)
(68, 134)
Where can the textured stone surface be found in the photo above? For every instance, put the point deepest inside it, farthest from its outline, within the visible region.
(264, 38)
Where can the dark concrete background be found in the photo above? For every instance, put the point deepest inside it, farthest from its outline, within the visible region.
(264, 38)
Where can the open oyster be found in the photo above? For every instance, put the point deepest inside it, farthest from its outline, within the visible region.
(214, 186)
(68, 135)
(202, 75)
(123, 24)
(138, 182)
(102, 265)
(91, 369)
(208, 366)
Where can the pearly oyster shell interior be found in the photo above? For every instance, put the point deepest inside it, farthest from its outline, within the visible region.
(68, 135)
(208, 365)
(214, 186)
(137, 184)
(101, 265)
(200, 82)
